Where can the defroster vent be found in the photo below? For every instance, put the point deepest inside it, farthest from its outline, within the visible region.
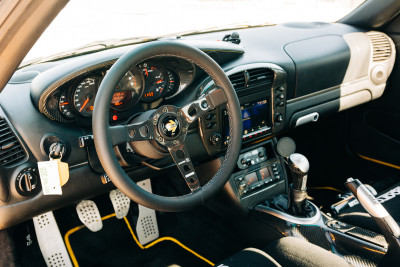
(11, 150)
(381, 46)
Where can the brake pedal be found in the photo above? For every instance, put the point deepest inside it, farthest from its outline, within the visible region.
(89, 215)
(50, 240)
(120, 202)
(146, 227)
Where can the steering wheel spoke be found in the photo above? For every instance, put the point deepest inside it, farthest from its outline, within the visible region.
(197, 108)
(182, 160)
(122, 134)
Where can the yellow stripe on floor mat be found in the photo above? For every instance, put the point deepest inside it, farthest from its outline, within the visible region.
(159, 240)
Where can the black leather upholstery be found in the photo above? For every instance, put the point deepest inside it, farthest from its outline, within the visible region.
(287, 251)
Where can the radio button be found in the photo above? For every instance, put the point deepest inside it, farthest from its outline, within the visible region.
(280, 96)
(280, 104)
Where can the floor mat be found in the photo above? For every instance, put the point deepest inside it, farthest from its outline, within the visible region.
(116, 245)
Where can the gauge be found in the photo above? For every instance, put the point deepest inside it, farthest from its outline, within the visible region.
(85, 94)
(128, 91)
(155, 82)
(64, 106)
(173, 83)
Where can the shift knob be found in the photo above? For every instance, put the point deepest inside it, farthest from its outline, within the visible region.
(299, 166)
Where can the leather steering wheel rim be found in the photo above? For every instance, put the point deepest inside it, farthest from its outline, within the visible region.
(102, 132)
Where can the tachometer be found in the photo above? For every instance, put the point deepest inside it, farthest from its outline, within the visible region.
(85, 94)
(155, 82)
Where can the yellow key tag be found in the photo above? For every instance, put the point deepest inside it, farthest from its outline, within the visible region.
(63, 171)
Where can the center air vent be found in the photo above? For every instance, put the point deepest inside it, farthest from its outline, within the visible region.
(381, 46)
(11, 150)
(238, 80)
(252, 77)
(260, 76)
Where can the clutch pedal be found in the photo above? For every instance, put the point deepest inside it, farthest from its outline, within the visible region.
(89, 215)
(146, 227)
(120, 202)
(50, 240)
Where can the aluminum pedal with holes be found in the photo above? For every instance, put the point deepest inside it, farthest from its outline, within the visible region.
(146, 227)
(120, 202)
(89, 215)
(50, 240)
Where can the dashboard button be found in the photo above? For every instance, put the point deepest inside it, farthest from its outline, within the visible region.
(210, 116)
(210, 125)
(278, 118)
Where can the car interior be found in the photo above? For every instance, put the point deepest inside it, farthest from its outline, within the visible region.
(272, 145)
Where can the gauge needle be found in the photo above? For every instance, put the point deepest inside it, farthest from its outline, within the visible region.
(160, 81)
(147, 74)
(84, 104)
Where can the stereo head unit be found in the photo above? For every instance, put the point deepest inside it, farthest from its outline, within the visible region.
(256, 121)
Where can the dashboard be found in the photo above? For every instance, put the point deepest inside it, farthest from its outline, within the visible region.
(284, 76)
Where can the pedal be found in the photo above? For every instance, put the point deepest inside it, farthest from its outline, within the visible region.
(120, 202)
(89, 215)
(146, 227)
(50, 240)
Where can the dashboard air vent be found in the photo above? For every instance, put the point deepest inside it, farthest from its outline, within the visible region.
(260, 76)
(11, 150)
(238, 80)
(381, 46)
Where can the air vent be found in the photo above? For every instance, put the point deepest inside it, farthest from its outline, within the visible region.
(381, 46)
(11, 150)
(238, 80)
(260, 76)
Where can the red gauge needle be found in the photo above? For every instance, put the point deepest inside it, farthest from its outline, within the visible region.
(147, 74)
(159, 81)
(84, 104)
(63, 104)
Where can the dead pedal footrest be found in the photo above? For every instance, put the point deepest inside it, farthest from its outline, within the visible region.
(50, 240)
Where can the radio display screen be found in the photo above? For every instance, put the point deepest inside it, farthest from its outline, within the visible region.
(255, 120)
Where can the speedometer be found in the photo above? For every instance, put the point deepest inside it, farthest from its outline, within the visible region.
(85, 94)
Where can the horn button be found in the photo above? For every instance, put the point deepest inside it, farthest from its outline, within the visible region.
(169, 126)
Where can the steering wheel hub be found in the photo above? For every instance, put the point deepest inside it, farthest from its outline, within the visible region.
(169, 126)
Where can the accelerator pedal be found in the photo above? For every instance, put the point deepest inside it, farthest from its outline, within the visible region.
(146, 227)
(120, 202)
(89, 215)
(50, 240)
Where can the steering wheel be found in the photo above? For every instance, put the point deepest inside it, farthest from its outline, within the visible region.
(168, 126)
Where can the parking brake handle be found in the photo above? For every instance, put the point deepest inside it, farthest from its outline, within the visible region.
(386, 223)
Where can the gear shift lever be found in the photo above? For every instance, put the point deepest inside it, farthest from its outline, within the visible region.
(298, 166)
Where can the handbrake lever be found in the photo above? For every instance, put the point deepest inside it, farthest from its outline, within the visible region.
(386, 223)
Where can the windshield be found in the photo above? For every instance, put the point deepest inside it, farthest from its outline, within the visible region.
(85, 21)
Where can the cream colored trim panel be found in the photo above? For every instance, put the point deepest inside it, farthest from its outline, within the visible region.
(372, 57)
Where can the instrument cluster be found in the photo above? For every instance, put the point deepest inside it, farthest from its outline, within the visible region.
(146, 84)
